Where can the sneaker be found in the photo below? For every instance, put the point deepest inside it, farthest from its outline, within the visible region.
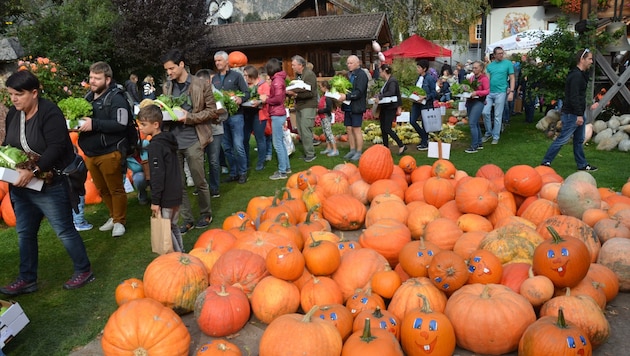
(422, 147)
(309, 159)
(356, 156)
(78, 280)
(495, 142)
(288, 171)
(316, 142)
(333, 153)
(203, 222)
(118, 230)
(278, 175)
(19, 286)
(195, 192)
(230, 179)
(480, 147)
(268, 158)
(486, 139)
(471, 150)
(83, 226)
(186, 227)
(588, 168)
(349, 154)
(260, 167)
(242, 179)
(546, 164)
(326, 151)
(109, 224)
(224, 170)
(215, 194)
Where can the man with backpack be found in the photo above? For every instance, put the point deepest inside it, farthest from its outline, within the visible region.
(104, 140)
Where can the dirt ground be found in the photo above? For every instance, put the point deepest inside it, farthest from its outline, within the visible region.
(617, 313)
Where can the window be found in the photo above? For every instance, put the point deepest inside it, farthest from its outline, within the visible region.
(478, 30)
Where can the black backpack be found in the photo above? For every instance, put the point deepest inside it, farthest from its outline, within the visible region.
(131, 144)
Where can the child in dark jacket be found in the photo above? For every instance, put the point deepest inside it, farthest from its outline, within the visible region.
(166, 181)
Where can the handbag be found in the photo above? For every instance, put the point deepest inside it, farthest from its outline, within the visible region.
(268, 127)
(288, 140)
(431, 120)
(161, 241)
(75, 174)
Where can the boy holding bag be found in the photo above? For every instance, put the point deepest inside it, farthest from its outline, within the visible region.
(166, 180)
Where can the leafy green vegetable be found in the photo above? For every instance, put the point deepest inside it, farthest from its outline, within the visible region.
(225, 97)
(340, 84)
(464, 87)
(12, 156)
(174, 101)
(408, 91)
(75, 108)
(375, 88)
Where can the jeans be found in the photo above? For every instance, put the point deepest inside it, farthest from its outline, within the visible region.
(233, 145)
(277, 124)
(474, 109)
(141, 185)
(213, 151)
(305, 121)
(498, 100)
(30, 208)
(79, 217)
(570, 128)
(106, 171)
(194, 157)
(261, 141)
(415, 115)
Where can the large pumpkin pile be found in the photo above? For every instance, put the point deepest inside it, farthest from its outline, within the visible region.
(521, 259)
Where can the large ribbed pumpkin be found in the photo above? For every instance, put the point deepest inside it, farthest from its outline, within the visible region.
(221, 310)
(570, 226)
(145, 327)
(237, 59)
(356, 270)
(344, 212)
(297, 334)
(386, 237)
(489, 318)
(376, 163)
(576, 196)
(523, 180)
(239, 268)
(476, 196)
(273, 297)
(175, 279)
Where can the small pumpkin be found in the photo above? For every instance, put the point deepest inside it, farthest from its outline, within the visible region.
(484, 267)
(425, 332)
(322, 257)
(364, 299)
(448, 271)
(339, 315)
(240, 268)
(407, 163)
(221, 310)
(356, 270)
(319, 291)
(129, 289)
(416, 256)
(551, 335)
(218, 347)
(285, 262)
(273, 297)
(523, 180)
(371, 342)
(385, 283)
(406, 297)
(381, 319)
(537, 289)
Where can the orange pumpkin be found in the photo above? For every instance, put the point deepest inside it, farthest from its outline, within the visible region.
(344, 212)
(551, 335)
(385, 283)
(437, 191)
(237, 59)
(406, 297)
(427, 332)
(319, 291)
(386, 237)
(256, 205)
(484, 268)
(371, 342)
(273, 297)
(221, 310)
(219, 239)
(448, 271)
(350, 278)
(219, 347)
(443, 168)
(407, 163)
(381, 319)
(442, 232)
(376, 163)
(322, 257)
(237, 220)
(339, 315)
(129, 289)
(523, 180)
(537, 289)
(285, 262)
(476, 196)
(564, 260)
(415, 257)
(175, 279)
(364, 299)
(606, 278)
(145, 326)
(312, 336)
(240, 268)
(489, 171)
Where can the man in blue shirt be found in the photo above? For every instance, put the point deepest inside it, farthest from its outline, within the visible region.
(499, 71)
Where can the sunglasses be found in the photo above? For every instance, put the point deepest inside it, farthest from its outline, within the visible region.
(586, 50)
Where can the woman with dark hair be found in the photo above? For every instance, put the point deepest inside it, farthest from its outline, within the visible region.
(426, 82)
(37, 126)
(475, 104)
(389, 100)
(278, 115)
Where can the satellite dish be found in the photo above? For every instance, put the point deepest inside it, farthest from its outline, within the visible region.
(225, 10)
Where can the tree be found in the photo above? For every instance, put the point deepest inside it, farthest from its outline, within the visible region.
(75, 33)
(150, 28)
(432, 19)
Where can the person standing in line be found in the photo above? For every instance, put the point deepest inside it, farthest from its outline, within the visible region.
(353, 113)
(213, 149)
(253, 122)
(305, 105)
(36, 124)
(324, 112)
(131, 86)
(475, 104)
(278, 115)
(426, 82)
(102, 138)
(166, 181)
(573, 110)
(148, 88)
(193, 132)
(500, 70)
(390, 92)
(230, 80)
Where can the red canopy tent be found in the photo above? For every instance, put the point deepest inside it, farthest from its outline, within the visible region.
(416, 47)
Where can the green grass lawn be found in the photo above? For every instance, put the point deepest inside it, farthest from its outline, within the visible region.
(62, 320)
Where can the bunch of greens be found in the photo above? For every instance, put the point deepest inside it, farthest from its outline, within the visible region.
(464, 87)
(75, 108)
(375, 88)
(253, 93)
(174, 101)
(340, 84)
(12, 157)
(226, 98)
(408, 91)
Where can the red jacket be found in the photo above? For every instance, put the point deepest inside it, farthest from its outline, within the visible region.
(277, 94)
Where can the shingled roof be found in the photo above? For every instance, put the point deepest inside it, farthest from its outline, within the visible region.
(302, 30)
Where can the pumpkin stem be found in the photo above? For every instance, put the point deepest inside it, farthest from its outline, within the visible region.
(222, 347)
(568, 292)
(289, 196)
(367, 333)
(485, 294)
(315, 243)
(222, 292)
(426, 306)
(310, 212)
(140, 351)
(562, 324)
(530, 272)
(555, 236)
(377, 312)
(307, 317)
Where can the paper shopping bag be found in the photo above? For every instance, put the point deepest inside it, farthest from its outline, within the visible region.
(431, 120)
(161, 241)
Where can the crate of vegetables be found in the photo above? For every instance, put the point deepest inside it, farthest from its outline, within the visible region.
(12, 158)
